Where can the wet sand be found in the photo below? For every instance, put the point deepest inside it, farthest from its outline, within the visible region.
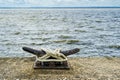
(103, 68)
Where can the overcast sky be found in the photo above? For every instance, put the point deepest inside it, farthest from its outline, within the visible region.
(58, 3)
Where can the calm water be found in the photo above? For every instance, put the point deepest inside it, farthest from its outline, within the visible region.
(95, 31)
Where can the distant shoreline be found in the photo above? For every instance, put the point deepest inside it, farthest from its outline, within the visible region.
(59, 7)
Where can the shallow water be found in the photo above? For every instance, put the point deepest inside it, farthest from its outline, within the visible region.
(95, 31)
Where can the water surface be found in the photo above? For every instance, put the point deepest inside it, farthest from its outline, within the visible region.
(95, 31)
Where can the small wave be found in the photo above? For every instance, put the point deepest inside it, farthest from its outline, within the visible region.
(114, 46)
(64, 36)
(72, 41)
(100, 29)
(16, 33)
(16, 44)
(4, 40)
(66, 41)
(92, 26)
(43, 39)
(36, 43)
(98, 21)
(83, 31)
(59, 41)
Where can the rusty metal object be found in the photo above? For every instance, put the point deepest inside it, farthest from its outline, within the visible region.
(51, 65)
(40, 53)
(51, 60)
(70, 52)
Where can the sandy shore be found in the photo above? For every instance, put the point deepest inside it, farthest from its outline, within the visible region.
(80, 69)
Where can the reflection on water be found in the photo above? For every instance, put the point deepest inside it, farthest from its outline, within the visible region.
(95, 31)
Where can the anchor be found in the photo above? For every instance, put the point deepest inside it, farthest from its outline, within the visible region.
(51, 59)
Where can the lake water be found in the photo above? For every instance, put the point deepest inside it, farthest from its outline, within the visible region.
(95, 31)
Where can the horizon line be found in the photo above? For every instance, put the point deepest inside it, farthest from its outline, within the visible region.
(59, 7)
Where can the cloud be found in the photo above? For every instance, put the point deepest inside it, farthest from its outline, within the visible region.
(74, 2)
(57, 3)
(11, 1)
(40, 2)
